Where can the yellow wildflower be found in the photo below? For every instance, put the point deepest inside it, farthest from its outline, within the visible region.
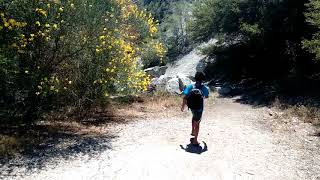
(41, 11)
(55, 26)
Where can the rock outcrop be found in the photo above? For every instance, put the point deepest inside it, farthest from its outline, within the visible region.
(156, 71)
(166, 78)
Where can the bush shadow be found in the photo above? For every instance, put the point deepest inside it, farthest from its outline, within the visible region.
(44, 145)
(265, 94)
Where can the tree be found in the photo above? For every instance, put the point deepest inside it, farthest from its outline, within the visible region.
(172, 16)
(257, 37)
(313, 17)
(214, 17)
(158, 8)
(173, 29)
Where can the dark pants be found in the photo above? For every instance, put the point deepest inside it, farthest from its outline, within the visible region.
(196, 115)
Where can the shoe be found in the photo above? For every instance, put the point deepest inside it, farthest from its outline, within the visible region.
(196, 145)
(191, 140)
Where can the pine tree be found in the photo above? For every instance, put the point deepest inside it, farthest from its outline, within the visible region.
(313, 17)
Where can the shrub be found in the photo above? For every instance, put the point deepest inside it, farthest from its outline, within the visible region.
(153, 54)
(56, 53)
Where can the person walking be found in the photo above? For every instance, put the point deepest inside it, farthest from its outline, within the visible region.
(194, 95)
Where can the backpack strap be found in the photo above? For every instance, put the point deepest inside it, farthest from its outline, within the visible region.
(199, 87)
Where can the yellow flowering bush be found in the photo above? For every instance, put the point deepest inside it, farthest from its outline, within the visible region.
(58, 51)
(153, 53)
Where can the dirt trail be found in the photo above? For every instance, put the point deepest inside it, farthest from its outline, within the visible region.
(238, 142)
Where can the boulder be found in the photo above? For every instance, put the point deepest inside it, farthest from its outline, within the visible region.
(201, 65)
(224, 90)
(169, 84)
(152, 85)
(186, 80)
(160, 83)
(172, 85)
(156, 71)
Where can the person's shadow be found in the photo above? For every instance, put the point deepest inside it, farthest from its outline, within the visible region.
(196, 149)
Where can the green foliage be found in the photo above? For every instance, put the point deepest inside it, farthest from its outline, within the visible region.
(57, 53)
(313, 17)
(213, 17)
(152, 54)
(259, 39)
(250, 30)
(158, 9)
(173, 29)
(173, 16)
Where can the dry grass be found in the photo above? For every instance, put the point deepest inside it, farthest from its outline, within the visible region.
(306, 113)
(94, 123)
(8, 145)
(149, 105)
(163, 102)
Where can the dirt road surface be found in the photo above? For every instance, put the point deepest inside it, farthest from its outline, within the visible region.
(238, 141)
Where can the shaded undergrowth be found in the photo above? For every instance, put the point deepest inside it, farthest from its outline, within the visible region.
(300, 101)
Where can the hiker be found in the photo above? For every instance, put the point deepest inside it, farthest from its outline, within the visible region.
(193, 97)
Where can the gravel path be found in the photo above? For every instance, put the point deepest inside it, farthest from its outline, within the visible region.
(238, 142)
